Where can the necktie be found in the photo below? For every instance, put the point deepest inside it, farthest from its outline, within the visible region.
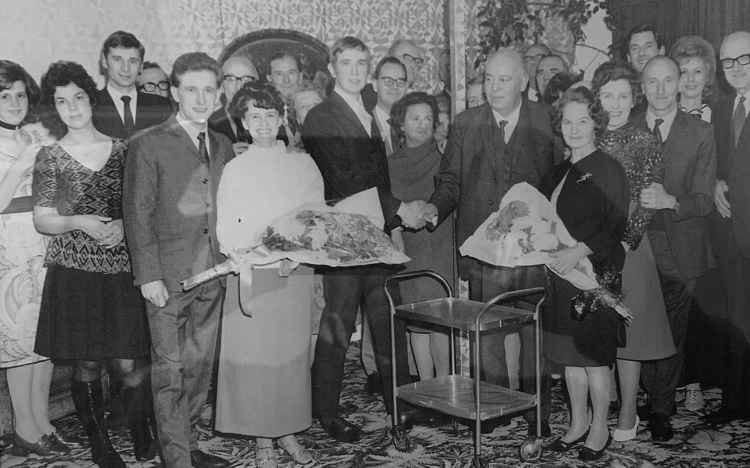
(502, 124)
(202, 149)
(738, 119)
(657, 130)
(127, 115)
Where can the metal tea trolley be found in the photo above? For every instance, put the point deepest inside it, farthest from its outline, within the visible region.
(459, 395)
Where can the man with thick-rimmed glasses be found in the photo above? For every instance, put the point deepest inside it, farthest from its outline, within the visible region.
(236, 71)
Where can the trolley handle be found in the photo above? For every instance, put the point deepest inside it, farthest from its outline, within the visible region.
(502, 297)
(408, 275)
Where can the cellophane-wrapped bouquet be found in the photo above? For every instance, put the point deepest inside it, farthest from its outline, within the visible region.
(527, 231)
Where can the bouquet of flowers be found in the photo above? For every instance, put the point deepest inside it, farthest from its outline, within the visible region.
(527, 231)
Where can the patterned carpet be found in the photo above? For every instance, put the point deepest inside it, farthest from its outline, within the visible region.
(693, 445)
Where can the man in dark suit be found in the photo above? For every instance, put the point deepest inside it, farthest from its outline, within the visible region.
(490, 148)
(121, 110)
(171, 176)
(237, 70)
(732, 224)
(678, 231)
(343, 139)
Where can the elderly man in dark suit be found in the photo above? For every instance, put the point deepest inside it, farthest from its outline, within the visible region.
(343, 139)
(732, 224)
(171, 176)
(490, 148)
(121, 110)
(678, 231)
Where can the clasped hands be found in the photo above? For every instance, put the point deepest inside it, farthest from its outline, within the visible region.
(107, 232)
(655, 197)
(416, 214)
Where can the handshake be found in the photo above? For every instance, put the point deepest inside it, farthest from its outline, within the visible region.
(416, 214)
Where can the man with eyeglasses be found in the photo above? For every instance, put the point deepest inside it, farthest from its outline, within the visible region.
(121, 108)
(153, 80)
(731, 224)
(237, 70)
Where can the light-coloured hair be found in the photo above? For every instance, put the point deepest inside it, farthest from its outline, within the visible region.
(511, 54)
(696, 47)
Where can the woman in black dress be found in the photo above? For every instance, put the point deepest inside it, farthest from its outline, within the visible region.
(90, 311)
(590, 194)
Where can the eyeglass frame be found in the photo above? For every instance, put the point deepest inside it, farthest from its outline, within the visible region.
(732, 61)
(162, 85)
(393, 82)
(242, 79)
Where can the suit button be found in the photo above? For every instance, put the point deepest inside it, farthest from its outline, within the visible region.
(205, 231)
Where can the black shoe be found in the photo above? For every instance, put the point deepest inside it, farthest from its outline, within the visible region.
(561, 446)
(725, 415)
(546, 431)
(661, 430)
(644, 412)
(489, 426)
(412, 416)
(135, 404)
(341, 429)
(374, 384)
(89, 404)
(589, 454)
(206, 460)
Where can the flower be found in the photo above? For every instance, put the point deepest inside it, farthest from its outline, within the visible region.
(584, 178)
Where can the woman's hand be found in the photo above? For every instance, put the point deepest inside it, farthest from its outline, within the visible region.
(95, 226)
(115, 235)
(397, 237)
(566, 259)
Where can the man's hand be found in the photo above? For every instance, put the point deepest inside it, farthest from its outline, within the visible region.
(155, 292)
(566, 259)
(94, 225)
(720, 199)
(397, 237)
(114, 235)
(430, 214)
(411, 214)
(655, 197)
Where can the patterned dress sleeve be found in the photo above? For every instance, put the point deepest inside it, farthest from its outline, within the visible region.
(645, 169)
(44, 188)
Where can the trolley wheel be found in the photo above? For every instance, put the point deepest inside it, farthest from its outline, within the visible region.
(401, 440)
(477, 462)
(531, 450)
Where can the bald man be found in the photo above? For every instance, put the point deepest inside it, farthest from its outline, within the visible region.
(732, 224)
(678, 231)
(236, 71)
(491, 147)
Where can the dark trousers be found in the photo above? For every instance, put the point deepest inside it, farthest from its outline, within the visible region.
(660, 377)
(183, 337)
(345, 289)
(485, 282)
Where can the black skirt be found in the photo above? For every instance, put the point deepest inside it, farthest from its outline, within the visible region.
(91, 316)
(569, 341)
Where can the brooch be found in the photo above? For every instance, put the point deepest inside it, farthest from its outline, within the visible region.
(584, 178)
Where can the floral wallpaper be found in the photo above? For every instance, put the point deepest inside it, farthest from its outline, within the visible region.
(37, 32)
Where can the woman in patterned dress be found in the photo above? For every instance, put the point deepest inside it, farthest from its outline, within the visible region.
(21, 270)
(91, 312)
(649, 335)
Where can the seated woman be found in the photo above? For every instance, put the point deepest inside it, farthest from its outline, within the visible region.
(90, 311)
(412, 170)
(265, 355)
(590, 194)
(22, 255)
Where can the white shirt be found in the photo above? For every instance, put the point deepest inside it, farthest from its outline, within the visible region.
(381, 118)
(358, 107)
(119, 105)
(665, 127)
(512, 120)
(193, 130)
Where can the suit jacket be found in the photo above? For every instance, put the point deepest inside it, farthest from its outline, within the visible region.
(689, 157)
(169, 205)
(150, 110)
(733, 166)
(478, 167)
(349, 159)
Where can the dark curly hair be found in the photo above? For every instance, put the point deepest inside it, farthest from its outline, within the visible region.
(258, 94)
(696, 47)
(63, 73)
(398, 111)
(10, 72)
(558, 84)
(613, 71)
(581, 95)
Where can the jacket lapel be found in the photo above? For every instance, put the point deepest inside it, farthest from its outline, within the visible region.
(110, 114)
(348, 117)
(182, 138)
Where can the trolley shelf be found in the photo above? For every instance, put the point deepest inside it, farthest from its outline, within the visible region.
(461, 314)
(454, 395)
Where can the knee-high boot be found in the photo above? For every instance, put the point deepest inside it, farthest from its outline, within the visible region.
(137, 401)
(89, 403)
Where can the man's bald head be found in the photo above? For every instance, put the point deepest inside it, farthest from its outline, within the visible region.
(505, 78)
(735, 48)
(661, 61)
(237, 70)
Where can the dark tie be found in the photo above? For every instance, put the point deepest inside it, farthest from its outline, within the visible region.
(502, 124)
(738, 120)
(657, 130)
(202, 149)
(127, 115)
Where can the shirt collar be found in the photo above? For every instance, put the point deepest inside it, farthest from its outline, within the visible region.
(737, 100)
(666, 126)
(117, 95)
(354, 102)
(511, 118)
(192, 129)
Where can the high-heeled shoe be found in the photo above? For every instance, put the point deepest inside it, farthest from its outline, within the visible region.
(589, 454)
(560, 445)
(299, 454)
(623, 435)
(22, 447)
